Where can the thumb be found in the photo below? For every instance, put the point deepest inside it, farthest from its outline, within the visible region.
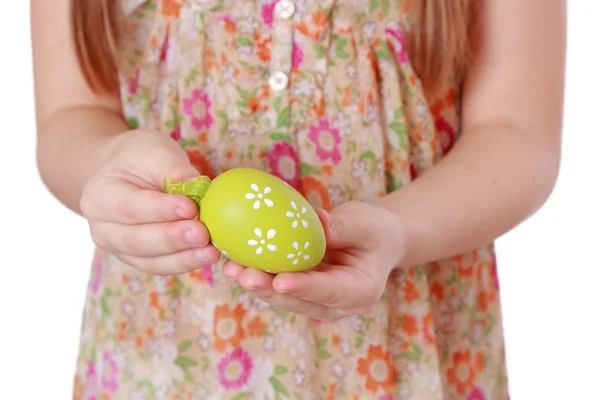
(174, 164)
(343, 230)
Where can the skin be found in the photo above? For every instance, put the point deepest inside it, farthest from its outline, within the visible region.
(501, 171)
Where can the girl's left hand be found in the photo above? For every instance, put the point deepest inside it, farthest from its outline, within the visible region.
(365, 242)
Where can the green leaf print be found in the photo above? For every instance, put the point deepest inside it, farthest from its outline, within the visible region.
(280, 370)
(281, 136)
(392, 184)
(188, 142)
(400, 130)
(188, 376)
(148, 5)
(278, 386)
(399, 113)
(383, 52)
(185, 362)
(145, 97)
(240, 396)
(373, 5)
(244, 41)
(340, 48)
(191, 78)
(306, 169)
(277, 104)
(218, 7)
(283, 119)
(319, 50)
(415, 352)
(360, 339)
(132, 122)
(104, 306)
(385, 5)
(224, 121)
(370, 156)
(149, 386)
(351, 146)
(321, 352)
(183, 346)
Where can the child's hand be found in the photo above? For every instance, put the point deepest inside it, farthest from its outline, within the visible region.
(364, 244)
(131, 217)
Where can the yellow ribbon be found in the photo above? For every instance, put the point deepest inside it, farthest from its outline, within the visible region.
(194, 189)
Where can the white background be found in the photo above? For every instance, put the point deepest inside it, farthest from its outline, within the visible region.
(549, 266)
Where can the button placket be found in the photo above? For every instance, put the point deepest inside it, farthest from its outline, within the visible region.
(281, 62)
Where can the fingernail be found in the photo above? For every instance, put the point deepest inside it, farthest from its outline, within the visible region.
(204, 255)
(191, 237)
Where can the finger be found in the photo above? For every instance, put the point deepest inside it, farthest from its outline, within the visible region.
(254, 279)
(340, 287)
(152, 240)
(131, 205)
(298, 306)
(232, 270)
(344, 229)
(173, 264)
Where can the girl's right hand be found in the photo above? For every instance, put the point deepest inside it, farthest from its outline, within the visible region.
(131, 217)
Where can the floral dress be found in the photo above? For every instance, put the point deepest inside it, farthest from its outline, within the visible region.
(320, 93)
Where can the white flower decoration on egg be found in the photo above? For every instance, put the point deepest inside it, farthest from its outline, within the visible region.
(297, 215)
(260, 242)
(259, 196)
(298, 254)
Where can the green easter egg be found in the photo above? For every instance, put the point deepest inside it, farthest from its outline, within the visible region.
(259, 221)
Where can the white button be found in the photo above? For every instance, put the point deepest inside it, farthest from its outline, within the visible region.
(278, 81)
(285, 8)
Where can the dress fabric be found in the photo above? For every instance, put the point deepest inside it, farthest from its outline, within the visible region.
(322, 94)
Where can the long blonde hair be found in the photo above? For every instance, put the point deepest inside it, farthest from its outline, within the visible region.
(438, 41)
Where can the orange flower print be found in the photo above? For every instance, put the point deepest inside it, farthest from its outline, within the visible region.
(227, 327)
(464, 371)
(256, 327)
(377, 369)
(315, 193)
(200, 162)
(410, 292)
(170, 8)
(465, 264)
(409, 325)
(428, 332)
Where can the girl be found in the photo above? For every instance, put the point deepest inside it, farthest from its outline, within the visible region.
(422, 130)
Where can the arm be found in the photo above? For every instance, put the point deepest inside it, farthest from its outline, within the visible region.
(75, 127)
(505, 165)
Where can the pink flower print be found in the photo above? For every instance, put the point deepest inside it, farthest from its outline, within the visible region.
(297, 55)
(283, 162)
(399, 45)
(319, 322)
(132, 84)
(267, 13)
(476, 394)
(176, 134)
(235, 368)
(446, 134)
(495, 275)
(197, 107)
(385, 397)
(110, 373)
(327, 139)
(97, 274)
(164, 53)
(207, 274)
(91, 389)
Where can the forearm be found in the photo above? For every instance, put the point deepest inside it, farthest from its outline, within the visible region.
(492, 180)
(72, 145)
